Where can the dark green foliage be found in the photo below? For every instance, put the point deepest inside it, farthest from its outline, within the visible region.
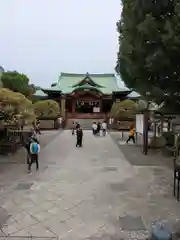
(169, 136)
(149, 52)
(17, 82)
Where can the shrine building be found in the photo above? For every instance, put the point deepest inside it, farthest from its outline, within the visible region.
(86, 95)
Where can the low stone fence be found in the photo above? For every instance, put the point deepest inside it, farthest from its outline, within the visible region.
(47, 124)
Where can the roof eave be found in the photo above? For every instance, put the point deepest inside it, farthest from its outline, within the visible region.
(120, 92)
(87, 88)
(52, 91)
(40, 95)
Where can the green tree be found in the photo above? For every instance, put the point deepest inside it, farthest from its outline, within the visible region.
(124, 110)
(17, 82)
(46, 108)
(149, 47)
(15, 104)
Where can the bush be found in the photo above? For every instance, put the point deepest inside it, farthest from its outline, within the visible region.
(157, 142)
(169, 137)
(124, 110)
(46, 108)
(14, 104)
(141, 105)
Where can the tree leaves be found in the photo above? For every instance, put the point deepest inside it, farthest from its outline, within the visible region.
(15, 104)
(149, 47)
(46, 108)
(17, 82)
(124, 110)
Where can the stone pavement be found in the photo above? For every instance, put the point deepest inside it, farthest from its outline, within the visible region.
(88, 193)
(20, 157)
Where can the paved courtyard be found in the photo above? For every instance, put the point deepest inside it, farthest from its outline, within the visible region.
(88, 193)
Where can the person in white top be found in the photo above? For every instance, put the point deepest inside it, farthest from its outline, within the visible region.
(104, 128)
(94, 128)
(60, 119)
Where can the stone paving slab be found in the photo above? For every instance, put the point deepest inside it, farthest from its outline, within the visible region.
(84, 193)
(20, 156)
(133, 153)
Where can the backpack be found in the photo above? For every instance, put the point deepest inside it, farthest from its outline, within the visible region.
(34, 148)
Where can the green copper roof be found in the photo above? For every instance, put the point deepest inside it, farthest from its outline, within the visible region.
(40, 93)
(106, 83)
(88, 86)
(53, 89)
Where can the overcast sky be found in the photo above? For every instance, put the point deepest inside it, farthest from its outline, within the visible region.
(42, 38)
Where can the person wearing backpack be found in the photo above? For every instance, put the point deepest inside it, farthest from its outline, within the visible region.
(27, 146)
(34, 151)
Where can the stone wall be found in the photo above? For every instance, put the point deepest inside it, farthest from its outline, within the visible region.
(47, 124)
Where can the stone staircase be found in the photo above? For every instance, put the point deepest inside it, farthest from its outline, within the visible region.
(86, 124)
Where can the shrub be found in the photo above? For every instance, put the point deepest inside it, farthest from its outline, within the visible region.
(157, 142)
(169, 137)
(46, 108)
(14, 104)
(124, 110)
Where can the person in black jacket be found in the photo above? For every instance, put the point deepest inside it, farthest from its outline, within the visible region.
(98, 128)
(79, 135)
(27, 146)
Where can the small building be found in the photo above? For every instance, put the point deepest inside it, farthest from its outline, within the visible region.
(86, 95)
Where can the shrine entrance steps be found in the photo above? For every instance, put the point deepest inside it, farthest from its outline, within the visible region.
(86, 124)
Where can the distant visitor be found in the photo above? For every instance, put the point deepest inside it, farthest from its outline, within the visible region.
(131, 134)
(79, 135)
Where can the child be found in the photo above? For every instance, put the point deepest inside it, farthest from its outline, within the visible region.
(34, 151)
(131, 134)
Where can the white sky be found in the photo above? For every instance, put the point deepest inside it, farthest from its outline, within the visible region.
(42, 38)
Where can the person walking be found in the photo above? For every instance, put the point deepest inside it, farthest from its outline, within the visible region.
(79, 135)
(60, 119)
(104, 128)
(98, 128)
(38, 127)
(131, 134)
(94, 128)
(27, 147)
(34, 152)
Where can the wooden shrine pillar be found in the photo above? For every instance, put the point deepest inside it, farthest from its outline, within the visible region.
(73, 107)
(100, 106)
(63, 107)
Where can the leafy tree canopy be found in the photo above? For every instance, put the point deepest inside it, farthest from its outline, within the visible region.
(149, 47)
(46, 108)
(124, 110)
(17, 82)
(15, 104)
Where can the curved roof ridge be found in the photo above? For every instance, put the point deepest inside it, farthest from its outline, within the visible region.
(90, 74)
(87, 87)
